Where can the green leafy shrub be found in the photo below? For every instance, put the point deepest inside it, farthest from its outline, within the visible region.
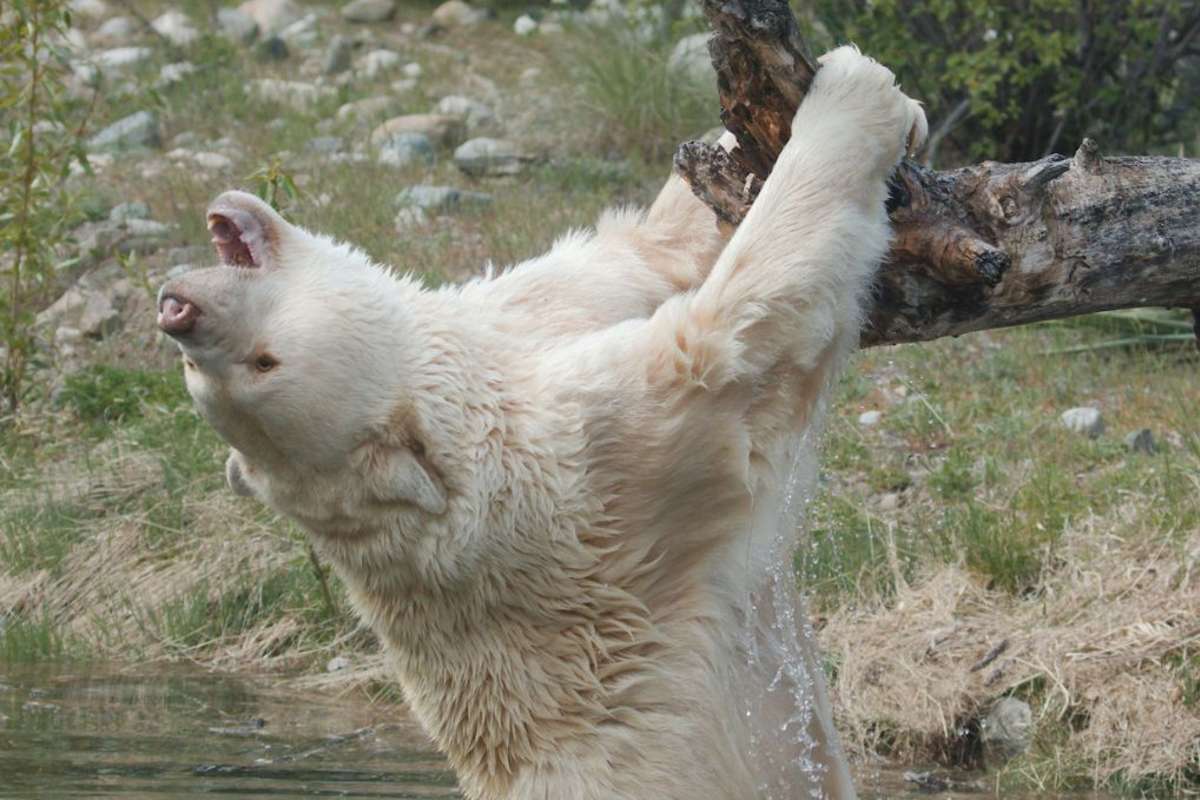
(38, 142)
(1015, 81)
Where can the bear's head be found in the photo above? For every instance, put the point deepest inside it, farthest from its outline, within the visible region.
(294, 350)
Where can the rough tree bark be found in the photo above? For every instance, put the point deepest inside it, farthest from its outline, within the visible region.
(986, 246)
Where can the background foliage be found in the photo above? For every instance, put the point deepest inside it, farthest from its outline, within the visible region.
(1014, 81)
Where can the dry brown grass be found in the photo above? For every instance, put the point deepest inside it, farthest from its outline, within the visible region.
(1097, 651)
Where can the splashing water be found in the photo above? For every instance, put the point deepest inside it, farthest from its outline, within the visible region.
(793, 748)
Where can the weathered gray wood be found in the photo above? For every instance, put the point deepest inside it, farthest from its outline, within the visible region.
(986, 246)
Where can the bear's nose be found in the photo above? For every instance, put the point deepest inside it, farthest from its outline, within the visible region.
(176, 316)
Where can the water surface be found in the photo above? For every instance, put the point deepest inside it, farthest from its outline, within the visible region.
(90, 732)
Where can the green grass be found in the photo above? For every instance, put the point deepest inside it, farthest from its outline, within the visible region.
(25, 639)
(632, 102)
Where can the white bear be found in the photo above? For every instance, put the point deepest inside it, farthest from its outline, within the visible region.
(538, 487)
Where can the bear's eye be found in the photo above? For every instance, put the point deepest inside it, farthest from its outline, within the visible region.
(265, 363)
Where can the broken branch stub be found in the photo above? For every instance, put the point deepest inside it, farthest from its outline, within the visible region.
(985, 246)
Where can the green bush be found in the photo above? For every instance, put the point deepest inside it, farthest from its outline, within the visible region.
(1015, 81)
(38, 142)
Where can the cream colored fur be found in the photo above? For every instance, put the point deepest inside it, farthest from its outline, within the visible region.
(537, 487)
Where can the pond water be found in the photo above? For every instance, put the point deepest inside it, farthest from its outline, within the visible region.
(86, 732)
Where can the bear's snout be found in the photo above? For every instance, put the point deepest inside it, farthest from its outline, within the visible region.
(176, 315)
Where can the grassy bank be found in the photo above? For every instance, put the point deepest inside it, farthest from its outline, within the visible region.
(965, 546)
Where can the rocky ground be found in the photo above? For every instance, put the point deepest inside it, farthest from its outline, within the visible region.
(1003, 553)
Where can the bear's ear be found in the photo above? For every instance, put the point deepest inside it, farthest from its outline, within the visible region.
(404, 478)
(245, 230)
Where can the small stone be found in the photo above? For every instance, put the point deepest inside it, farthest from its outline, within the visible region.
(90, 9)
(214, 162)
(176, 27)
(366, 109)
(337, 664)
(116, 31)
(525, 25)
(440, 198)
(869, 419)
(302, 33)
(410, 217)
(367, 11)
(377, 62)
(171, 74)
(337, 55)
(271, 48)
(475, 115)
(440, 128)
(271, 16)
(136, 130)
(296, 94)
(690, 57)
(412, 70)
(99, 319)
(458, 13)
(119, 60)
(236, 25)
(127, 211)
(1085, 419)
(325, 145)
(484, 156)
(1141, 441)
(402, 149)
(1008, 728)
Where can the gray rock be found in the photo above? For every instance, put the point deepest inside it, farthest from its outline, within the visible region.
(440, 198)
(302, 33)
(176, 27)
(127, 211)
(1007, 729)
(1085, 419)
(99, 319)
(457, 14)
(1141, 441)
(337, 55)
(324, 145)
(337, 664)
(142, 236)
(377, 62)
(690, 58)
(297, 94)
(525, 25)
(236, 25)
(402, 149)
(869, 419)
(116, 31)
(366, 109)
(90, 9)
(409, 217)
(476, 116)
(137, 130)
(484, 156)
(369, 10)
(271, 16)
(439, 128)
(413, 70)
(272, 48)
(172, 74)
(121, 60)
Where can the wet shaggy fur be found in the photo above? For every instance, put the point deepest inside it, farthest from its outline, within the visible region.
(538, 486)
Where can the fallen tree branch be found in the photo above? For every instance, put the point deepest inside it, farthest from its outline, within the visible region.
(986, 246)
